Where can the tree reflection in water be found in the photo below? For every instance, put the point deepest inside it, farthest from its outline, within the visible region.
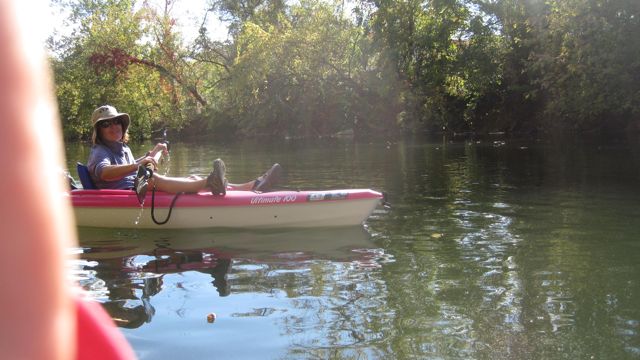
(131, 281)
(126, 269)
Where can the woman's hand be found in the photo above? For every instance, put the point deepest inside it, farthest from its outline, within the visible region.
(154, 156)
(148, 160)
(160, 147)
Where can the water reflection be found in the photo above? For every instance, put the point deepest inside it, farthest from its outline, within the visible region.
(489, 251)
(511, 254)
(126, 269)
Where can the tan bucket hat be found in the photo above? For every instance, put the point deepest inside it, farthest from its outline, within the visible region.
(106, 112)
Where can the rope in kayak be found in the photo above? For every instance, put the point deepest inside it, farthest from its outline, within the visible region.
(153, 207)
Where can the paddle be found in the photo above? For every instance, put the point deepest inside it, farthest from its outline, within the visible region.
(143, 175)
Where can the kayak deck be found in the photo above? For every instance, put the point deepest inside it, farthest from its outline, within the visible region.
(237, 209)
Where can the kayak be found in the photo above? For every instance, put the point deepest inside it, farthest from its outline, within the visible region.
(236, 209)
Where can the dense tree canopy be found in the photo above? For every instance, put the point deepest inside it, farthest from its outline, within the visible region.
(374, 68)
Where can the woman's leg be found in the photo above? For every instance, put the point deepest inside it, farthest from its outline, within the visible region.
(190, 185)
(175, 184)
(194, 184)
(246, 186)
(265, 182)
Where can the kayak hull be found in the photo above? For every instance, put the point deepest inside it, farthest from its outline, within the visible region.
(237, 209)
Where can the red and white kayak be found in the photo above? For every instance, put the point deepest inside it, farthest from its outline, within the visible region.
(237, 209)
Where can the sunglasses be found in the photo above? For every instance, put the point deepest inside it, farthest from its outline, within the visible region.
(106, 123)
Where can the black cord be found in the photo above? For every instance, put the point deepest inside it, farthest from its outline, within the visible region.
(153, 207)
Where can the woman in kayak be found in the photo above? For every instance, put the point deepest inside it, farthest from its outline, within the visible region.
(112, 165)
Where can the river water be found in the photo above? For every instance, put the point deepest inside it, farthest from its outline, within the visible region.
(489, 250)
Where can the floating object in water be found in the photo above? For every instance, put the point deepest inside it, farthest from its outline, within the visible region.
(211, 318)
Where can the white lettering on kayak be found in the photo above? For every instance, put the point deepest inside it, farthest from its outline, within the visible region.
(327, 196)
(272, 199)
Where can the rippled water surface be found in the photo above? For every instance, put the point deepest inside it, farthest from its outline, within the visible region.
(489, 250)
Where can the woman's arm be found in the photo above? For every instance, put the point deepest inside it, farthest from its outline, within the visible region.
(110, 172)
(115, 172)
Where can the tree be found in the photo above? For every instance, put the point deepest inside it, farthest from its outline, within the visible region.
(126, 56)
(301, 76)
(448, 55)
(589, 67)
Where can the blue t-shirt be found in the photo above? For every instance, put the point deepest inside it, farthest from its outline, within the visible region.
(116, 153)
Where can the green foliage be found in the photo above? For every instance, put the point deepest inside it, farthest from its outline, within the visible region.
(308, 69)
(447, 54)
(102, 65)
(589, 67)
(301, 76)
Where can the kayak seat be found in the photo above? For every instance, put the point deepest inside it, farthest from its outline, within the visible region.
(85, 178)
